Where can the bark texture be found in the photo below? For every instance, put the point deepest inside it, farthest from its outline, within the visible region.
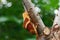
(35, 17)
(44, 33)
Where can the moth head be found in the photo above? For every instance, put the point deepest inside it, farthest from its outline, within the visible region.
(25, 15)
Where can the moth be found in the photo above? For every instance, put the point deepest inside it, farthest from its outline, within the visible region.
(27, 24)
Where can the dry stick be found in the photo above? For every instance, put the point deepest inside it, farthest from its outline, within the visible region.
(36, 18)
(56, 25)
(57, 18)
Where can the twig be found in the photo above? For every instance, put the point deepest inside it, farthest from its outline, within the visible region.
(35, 17)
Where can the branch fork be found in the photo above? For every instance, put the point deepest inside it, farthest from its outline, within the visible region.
(41, 28)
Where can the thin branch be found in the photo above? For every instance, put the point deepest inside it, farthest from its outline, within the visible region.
(57, 18)
(53, 33)
(35, 17)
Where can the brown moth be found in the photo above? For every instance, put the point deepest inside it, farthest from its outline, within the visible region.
(28, 24)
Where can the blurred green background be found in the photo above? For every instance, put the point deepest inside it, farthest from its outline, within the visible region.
(11, 20)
